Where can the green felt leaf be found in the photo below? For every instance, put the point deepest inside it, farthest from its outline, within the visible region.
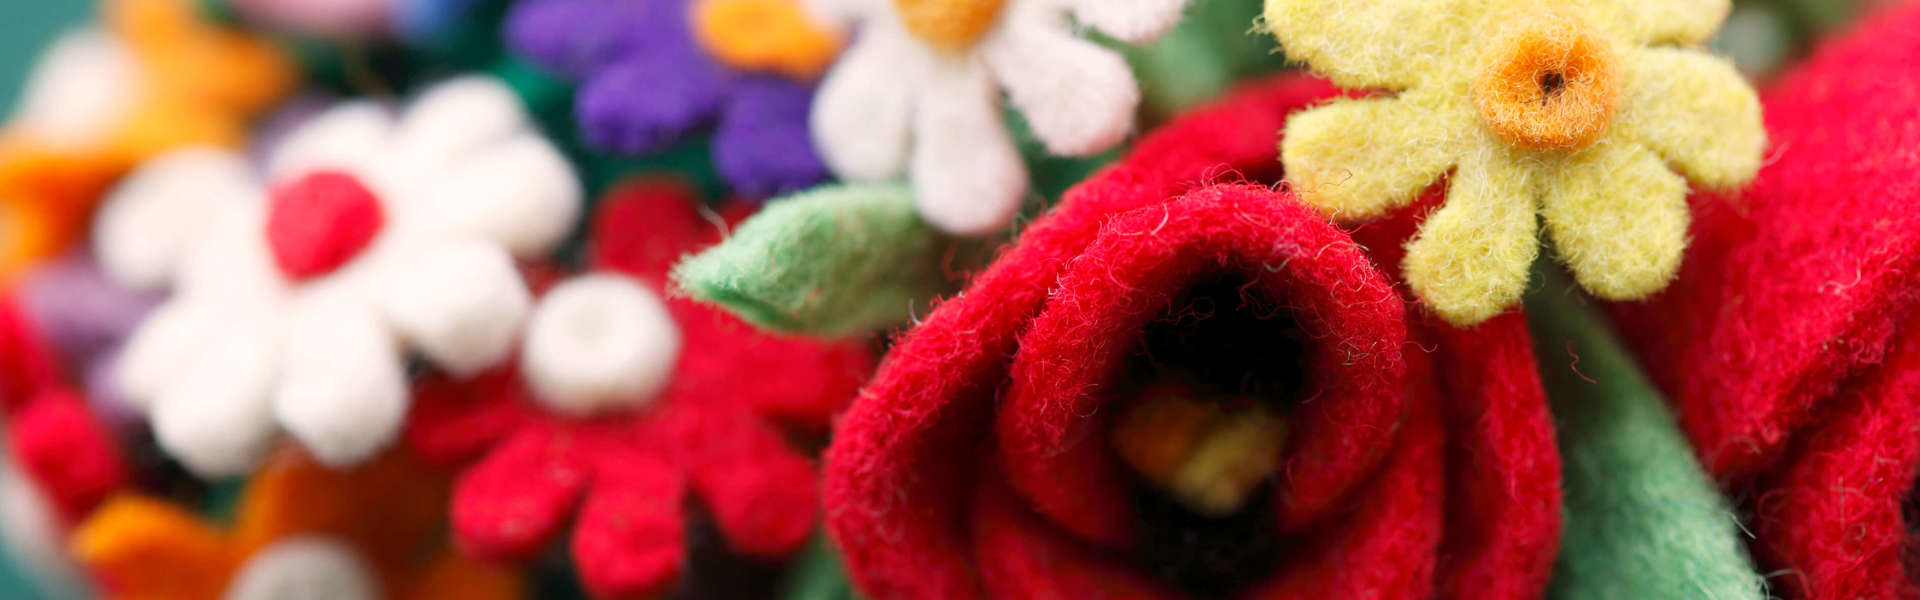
(817, 575)
(835, 261)
(1643, 520)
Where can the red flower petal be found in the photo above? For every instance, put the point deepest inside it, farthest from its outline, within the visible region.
(628, 541)
(512, 503)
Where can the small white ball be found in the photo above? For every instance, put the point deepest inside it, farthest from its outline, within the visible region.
(599, 342)
(305, 568)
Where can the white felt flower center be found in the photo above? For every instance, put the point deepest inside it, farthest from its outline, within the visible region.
(308, 568)
(600, 342)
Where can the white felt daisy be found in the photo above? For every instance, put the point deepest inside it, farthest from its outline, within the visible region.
(297, 303)
(919, 92)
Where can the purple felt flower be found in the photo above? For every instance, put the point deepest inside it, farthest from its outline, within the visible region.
(646, 84)
(86, 317)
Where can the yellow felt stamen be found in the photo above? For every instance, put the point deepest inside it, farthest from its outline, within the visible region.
(1209, 458)
(764, 35)
(951, 25)
(1547, 81)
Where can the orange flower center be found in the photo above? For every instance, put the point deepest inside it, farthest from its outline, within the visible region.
(951, 25)
(1547, 81)
(764, 35)
(1210, 456)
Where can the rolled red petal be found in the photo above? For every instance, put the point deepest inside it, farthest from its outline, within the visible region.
(629, 541)
(1788, 343)
(512, 503)
(67, 451)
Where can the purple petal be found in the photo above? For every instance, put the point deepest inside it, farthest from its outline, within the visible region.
(81, 312)
(763, 147)
(647, 103)
(576, 37)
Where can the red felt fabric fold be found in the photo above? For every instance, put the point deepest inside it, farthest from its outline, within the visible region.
(1787, 344)
(975, 464)
(54, 436)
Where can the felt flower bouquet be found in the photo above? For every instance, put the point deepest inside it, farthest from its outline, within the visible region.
(950, 299)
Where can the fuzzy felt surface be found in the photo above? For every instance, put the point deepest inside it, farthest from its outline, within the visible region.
(1787, 346)
(1567, 115)
(646, 83)
(154, 78)
(918, 92)
(830, 262)
(1044, 329)
(389, 513)
(61, 446)
(1643, 518)
(629, 480)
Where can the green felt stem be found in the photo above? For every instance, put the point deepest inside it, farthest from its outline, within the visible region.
(817, 575)
(1643, 520)
(832, 262)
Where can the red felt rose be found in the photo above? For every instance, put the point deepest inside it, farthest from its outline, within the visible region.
(62, 447)
(1790, 343)
(627, 479)
(981, 461)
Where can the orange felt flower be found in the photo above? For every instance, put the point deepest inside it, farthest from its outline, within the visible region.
(356, 533)
(154, 78)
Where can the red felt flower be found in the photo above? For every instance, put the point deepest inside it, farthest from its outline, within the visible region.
(63, 448)
(984, 461)
(713, 432)
(1791, 342)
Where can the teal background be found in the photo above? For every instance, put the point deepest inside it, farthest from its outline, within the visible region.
(26, 26)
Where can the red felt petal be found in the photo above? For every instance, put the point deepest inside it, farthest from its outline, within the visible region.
(1832, 516)
(27, 365)
(644, 227)
(512, 503)
(1021, 557)
(760, 492)
(1386, 547)
(453, 421)
(899, 472)
(1800, 282)
(1143, 260)
(793, 381)
(628, 541)
(68, 452)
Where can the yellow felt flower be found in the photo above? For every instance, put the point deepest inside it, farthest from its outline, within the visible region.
(1579, 111)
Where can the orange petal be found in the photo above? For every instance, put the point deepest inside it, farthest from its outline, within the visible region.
(142, 548)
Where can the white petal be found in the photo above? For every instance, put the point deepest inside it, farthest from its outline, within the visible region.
(521, 194)
(343, 393)
(168, 342)
(968, 178)
(149, 224)
(32, 534)
(1131, 21)
(82, 88)
(455, 117)
(350, 137)
(598, 342)
(860, 114)
(842, 13)
(214, 415)
(304, 568)
(461, 304)
(1078, 97)
(233, 261)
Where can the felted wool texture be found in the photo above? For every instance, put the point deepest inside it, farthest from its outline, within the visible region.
(269, 328)
(60, 447)
(387, 513)
(832, 262)
(625, 481)
(1805, 393)
(153, 78)
(1801, 284)
(1643, 518)
(921, 449)
(1632, 100)
(914, 95)
(647, 84)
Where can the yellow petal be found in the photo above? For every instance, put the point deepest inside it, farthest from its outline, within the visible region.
(1682, 22)
(1388, 44)
(1618, 219)
(1471, 257)
(1356, 159)
(1694, 110)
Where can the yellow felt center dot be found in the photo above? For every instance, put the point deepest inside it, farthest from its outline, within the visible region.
(1547, 81)
(764, 35)
(951, 25)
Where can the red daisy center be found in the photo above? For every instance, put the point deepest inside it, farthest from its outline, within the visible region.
(320, 221)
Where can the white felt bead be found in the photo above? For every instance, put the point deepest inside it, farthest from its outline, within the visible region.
(341, 391)
(305, 568)
(598, 342)
(149, 224)
(460, 303)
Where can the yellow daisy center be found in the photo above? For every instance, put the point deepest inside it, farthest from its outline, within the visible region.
(764, 35)
(951, 25)
(1547, 81)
